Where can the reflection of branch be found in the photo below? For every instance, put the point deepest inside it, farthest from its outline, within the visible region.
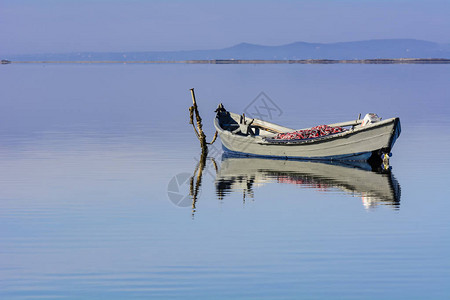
(215, 164)
(198, 172)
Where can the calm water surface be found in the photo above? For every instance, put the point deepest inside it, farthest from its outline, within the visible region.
(87, 153)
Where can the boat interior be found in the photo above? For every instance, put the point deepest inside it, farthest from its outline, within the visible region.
(242, 125)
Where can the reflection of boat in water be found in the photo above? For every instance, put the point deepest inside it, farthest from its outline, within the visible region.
(373, 185)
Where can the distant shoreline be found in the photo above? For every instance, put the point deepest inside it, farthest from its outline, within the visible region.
(246, 61)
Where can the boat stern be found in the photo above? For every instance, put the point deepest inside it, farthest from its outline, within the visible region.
(396, 133)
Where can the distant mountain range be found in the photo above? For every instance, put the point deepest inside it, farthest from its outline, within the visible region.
(371, 49)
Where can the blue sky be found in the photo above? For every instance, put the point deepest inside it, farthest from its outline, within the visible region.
(43, 26)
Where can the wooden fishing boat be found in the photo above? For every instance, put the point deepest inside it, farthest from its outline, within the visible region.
(362, 139)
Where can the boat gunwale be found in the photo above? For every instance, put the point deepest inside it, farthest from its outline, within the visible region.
(296, 142)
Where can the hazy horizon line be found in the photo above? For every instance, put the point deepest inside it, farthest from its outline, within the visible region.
(226, 47)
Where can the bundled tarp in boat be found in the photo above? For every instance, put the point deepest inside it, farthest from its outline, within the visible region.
(314, 132)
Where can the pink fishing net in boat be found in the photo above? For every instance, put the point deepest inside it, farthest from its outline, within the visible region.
(314, 132)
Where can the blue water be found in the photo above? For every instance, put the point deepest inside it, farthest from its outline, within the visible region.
(87, 153)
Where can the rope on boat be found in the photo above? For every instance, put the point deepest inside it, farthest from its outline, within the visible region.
(214, 138)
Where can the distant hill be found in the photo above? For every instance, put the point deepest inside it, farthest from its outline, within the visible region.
(371, 49)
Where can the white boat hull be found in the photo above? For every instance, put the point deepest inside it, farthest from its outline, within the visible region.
(359, 143)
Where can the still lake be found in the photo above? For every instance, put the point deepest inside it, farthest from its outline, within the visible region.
(87, 153)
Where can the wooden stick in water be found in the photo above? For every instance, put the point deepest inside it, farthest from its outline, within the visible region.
(200, 134)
